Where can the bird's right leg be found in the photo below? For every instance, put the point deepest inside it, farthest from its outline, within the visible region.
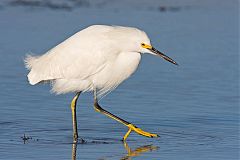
(74, 118)
(131, 127)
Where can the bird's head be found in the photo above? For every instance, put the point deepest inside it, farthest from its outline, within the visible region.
(136, 40)
(144, 46)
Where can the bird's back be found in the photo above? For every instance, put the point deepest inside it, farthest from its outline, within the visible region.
(59, 61)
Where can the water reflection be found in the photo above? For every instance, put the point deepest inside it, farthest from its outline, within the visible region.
(74, 151)
(130, 153)
(137, 152)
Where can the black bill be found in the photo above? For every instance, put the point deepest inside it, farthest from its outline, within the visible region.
(163, 55)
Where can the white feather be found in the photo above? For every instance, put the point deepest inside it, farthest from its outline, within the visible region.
(98, 57)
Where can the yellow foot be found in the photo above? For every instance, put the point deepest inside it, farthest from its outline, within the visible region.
(139, 131)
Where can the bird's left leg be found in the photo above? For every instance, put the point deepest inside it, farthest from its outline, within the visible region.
(131, 127)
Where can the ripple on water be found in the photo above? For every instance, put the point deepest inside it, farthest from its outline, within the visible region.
(179, 139)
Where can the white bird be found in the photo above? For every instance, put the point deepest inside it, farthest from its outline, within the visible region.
(97, 58)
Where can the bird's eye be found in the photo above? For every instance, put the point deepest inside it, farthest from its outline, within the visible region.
(142, 44)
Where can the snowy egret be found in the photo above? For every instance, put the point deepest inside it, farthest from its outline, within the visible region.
(97, 58)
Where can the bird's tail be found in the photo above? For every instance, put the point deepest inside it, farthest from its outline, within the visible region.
(29, 62)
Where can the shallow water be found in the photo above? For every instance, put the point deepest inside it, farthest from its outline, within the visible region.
(193, 107)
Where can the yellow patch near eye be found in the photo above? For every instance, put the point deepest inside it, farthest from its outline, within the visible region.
(146, 46)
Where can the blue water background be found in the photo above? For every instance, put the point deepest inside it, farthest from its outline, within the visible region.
(193, 107)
